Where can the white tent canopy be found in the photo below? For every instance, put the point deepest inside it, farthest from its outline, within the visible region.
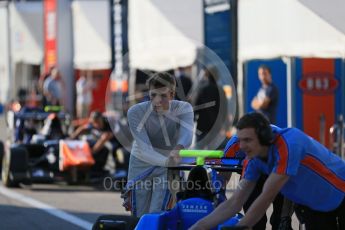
(332, 12)
(27, 32)
(164, 34)
(4, 54)
(91, 25)
(290, 28)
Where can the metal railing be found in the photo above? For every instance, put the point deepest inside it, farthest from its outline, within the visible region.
(337, 137)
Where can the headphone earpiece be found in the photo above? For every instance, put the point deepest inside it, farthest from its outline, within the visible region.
(264, 132)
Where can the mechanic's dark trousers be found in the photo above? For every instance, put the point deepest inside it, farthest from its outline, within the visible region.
(315, 220)
(277, 207)
(100, 158)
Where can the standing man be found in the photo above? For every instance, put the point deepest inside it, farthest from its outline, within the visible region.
(84, 88)
(211, 115)
(266, 100)
(184, 84)
(160, 128)
(53, 88)
(299, 167)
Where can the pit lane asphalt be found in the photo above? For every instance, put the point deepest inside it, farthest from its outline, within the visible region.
(83, 202)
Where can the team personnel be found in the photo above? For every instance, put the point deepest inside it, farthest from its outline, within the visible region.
(281, 217)
(99, 127)
(299, 167)
(266, 99)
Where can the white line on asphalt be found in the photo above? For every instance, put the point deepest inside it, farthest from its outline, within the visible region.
(47, 208)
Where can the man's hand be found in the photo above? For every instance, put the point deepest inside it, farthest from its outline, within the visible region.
(174, 156)
(81, 129)
(228, 208)
(256, 103)
(101, 141)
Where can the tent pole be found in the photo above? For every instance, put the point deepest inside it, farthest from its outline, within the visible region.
(289, 91)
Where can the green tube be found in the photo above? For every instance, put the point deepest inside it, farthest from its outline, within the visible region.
(201, 154)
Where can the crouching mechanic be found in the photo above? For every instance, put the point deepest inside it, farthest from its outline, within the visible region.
(99, 127)
(282, 208)
(299, 167)
(160, 128)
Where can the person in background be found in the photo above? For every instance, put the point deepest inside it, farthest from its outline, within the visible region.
(99, 127)
(25, 128)
(266, 100)
(183, 84)
(42, 78)
(84, 88)
(52, 88)
(211, 109)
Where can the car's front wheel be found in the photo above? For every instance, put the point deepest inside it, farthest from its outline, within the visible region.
(15, 167)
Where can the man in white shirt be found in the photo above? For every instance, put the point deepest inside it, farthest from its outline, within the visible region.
(84, 96)
(160, 127)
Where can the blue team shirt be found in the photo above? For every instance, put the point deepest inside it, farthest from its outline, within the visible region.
(317, 176)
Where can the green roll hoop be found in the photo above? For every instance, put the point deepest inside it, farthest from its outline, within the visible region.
(200, 155)
(53, 108)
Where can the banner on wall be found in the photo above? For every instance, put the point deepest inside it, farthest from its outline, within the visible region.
(50, 34)
(318, 98)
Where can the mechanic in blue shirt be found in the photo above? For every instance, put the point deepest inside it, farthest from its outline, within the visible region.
(299, 167)
(282, 208)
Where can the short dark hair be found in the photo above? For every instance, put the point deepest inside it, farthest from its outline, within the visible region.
(261, 125)
(162, 79)
(96, 115)
(263, 66)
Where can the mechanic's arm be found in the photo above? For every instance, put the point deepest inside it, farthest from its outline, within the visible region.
(106, 136)
(271, 188)
(260, 104)
(228, 208)
(265, 103)
(81, 129)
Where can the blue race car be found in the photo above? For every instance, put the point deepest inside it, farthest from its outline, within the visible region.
(193, 204)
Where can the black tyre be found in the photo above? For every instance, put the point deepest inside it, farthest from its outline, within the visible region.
(113, 222)
(15, 167)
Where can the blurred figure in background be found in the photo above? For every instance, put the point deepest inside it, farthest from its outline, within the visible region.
(43, 77)
(40, 84)
(84, 88)
(266, 100)
(102, 142)
(210, 108)
(25, 128)
(52, 88)
(183, 84)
